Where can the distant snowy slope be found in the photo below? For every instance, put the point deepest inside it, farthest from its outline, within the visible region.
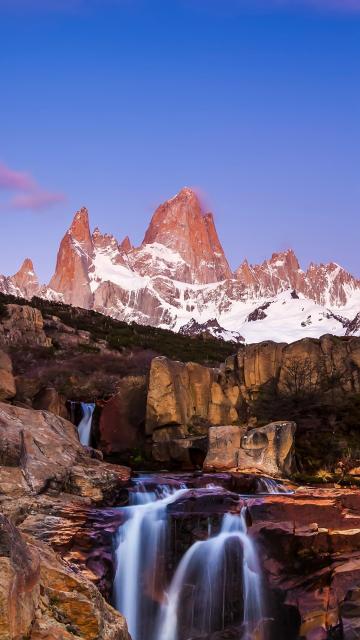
(179, 278)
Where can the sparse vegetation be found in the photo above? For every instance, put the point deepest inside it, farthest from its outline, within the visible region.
(327, 414)
(121, 336)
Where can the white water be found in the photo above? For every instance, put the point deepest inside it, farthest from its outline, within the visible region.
(216, 585)
(198, 595)
(84, 426)
(272, 486)
(140, 572)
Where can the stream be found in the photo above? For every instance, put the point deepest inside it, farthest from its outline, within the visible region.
(213, 586)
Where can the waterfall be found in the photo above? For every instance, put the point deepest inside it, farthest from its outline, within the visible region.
(269, 485)
(141, 545)
(84, 426)
(204, 592)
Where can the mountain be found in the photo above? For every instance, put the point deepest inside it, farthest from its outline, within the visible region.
(24, 283)
(179, 278)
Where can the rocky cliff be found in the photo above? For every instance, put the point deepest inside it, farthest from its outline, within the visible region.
(191, 408)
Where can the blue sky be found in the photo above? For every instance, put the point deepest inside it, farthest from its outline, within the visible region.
(118, 104)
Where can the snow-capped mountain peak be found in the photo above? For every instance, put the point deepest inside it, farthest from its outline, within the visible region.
(179, 277)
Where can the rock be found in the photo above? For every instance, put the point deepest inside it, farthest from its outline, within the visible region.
(46, 450)
(121, 425)
(80, 533)
(259, 363)
(224, 447)
(23, 325)
(19, 583)
(71, 277)
(49, 399)
(269, 449)
(44, 598)
(180, 225)
(26, 280)
(309, 543)
(7, 380)
(183, 400)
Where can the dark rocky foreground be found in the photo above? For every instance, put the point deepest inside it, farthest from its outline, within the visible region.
(59, 501)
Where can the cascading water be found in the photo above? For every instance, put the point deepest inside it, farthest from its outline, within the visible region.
(84, 426)
(269, 485)
(217, 585)
(205, 593)
(140, 573)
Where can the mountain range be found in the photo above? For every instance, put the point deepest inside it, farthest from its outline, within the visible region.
(179, 278)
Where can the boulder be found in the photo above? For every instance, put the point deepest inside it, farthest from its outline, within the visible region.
(44, 598)
(7, 380)
(224, 446)
(41, 452)
(268, 449)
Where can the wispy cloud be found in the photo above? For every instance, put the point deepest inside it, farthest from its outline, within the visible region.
(36, 201)
(14, 180)
(24, 192)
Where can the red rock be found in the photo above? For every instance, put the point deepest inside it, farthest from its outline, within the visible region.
(71, 277)
(180, 225)
(126, 245)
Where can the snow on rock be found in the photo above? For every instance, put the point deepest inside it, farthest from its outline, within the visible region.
(179, 279)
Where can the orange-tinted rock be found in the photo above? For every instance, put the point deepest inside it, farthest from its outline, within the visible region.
(71, 277)
(180, 225)
(19, 583)
(269, 449)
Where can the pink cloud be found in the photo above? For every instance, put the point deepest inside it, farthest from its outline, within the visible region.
(15, 180)
(36, 200)
(26, 193)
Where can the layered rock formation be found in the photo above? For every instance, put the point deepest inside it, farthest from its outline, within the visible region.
(187, 403)
(179, 276)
